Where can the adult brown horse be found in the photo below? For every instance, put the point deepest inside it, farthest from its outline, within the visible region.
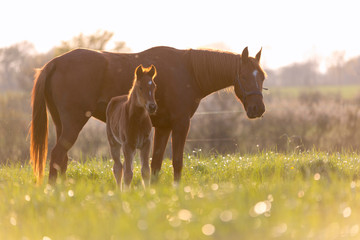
(128, 126)
(80, 83)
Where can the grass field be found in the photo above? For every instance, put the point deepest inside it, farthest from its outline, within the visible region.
(312, 195)
(343, 91)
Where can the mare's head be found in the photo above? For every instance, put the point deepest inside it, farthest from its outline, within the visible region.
(144, 87)
(248, 84)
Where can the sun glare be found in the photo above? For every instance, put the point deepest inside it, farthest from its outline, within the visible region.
(278, 26)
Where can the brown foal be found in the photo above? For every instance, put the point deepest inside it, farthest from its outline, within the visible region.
(129, 125)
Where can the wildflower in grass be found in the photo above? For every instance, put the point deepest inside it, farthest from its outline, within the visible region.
(184, 215)
(208, 229)
(70, 193)
(226, 216)
(280, 229)
(301, 194)
(354, 230)
(27, 198)
(142, 225)
(13, 221)
(346, 212)
(214, 187)
(187, 189)
(126, 207)
(174, 221)
(260, 208)
(49, 190)
(151, 205)
(317, 176)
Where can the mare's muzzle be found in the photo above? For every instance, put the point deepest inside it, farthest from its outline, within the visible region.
(255, 110)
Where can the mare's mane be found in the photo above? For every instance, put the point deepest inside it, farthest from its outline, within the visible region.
(217, 69)
(210, 66)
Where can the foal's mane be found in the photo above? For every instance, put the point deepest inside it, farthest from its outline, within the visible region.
(145, 72)
(214, 69)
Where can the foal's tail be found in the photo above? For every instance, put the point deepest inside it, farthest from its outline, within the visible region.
(39, 124)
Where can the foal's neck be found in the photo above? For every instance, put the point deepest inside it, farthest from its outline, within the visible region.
(134, 109)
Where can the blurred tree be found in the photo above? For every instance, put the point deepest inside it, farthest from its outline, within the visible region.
(15, 63)
(18, 61)
(351, 71)
(96, 41)
(299, 74)
(335, 69)
(343, 72)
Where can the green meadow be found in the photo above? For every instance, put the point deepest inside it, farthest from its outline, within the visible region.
(268, 195)
(343, 91)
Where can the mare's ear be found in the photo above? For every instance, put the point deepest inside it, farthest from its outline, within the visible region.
(258, 55)
(152, 71)
(139, 71)
(245, 55)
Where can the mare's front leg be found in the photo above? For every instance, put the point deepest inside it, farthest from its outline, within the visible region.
(145, 168)
(179, 134)
(161, 138)
(129, 153)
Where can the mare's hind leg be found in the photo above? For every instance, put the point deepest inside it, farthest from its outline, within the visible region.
(145, 168)
(69, 133)
(129, 153)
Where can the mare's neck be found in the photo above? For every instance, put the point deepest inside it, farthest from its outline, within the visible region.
(214, 70)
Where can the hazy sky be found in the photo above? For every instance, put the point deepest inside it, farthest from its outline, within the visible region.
(289, 31)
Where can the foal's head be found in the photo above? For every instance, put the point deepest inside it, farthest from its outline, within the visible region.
(144, 88)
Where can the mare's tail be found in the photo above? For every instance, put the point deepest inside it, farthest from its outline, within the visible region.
(39, 124)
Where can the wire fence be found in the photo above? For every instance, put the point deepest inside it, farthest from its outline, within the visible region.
(214, 113)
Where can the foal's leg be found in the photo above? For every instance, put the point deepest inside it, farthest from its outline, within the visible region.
(129, 153)
(161, 138)
(145, 169)
(117, 168)
(115, 148)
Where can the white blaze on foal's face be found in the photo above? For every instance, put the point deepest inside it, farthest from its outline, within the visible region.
(150, 82)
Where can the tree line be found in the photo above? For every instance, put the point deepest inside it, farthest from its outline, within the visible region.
(291, 123)
(18, 61)
(339, 72)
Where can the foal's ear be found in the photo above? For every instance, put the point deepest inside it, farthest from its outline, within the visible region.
(245, 55)
(139, 71)
(258, 55)
(152, 71)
